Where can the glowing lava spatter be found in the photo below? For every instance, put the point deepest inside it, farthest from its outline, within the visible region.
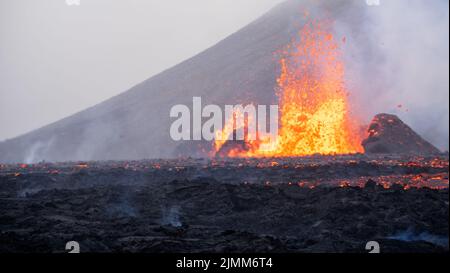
(313, 101)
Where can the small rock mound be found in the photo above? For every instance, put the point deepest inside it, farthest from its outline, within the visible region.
(387, 134)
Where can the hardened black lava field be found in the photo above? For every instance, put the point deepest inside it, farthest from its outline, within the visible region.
(308, 204)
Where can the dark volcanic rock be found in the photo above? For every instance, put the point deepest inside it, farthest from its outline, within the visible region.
(389, 135)
(197, 206)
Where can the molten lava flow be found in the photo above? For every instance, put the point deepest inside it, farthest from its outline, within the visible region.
(314, 108)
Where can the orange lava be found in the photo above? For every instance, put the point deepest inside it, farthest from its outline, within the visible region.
(313, 102)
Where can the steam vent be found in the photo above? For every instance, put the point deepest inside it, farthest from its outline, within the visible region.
(389, 135)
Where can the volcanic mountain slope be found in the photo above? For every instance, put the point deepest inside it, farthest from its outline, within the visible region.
(135, 124)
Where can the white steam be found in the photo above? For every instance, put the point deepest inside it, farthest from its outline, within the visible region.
(38, 151)
(397, 60)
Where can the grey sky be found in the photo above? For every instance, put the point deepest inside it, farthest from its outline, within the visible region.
(56, 59)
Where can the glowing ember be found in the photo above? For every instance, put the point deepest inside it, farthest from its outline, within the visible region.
(314, 114)
(82, 165)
